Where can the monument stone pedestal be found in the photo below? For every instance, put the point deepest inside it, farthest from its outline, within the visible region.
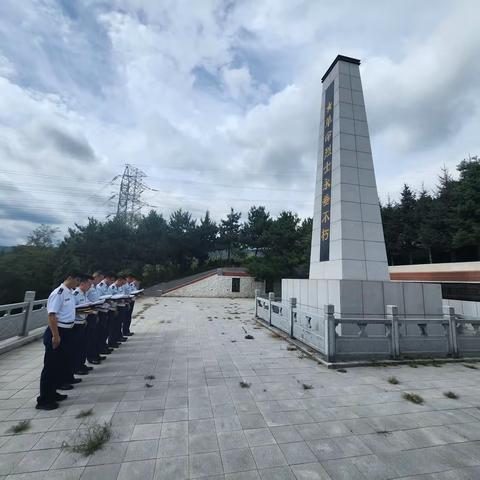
(348, 264)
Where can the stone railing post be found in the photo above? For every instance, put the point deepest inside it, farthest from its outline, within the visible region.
(330, 334)
(257, 293)
(29, 297)
(293, 304)
(392, 317)
(271, 298)
(449, 314)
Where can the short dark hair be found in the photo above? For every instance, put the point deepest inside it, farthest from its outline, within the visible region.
(122, 277)
(73, 274)
(85, 277)
(111, 275)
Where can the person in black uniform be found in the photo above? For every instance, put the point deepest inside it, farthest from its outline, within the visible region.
(58, 344)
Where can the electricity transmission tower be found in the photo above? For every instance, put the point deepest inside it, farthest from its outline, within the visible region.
(129, 197)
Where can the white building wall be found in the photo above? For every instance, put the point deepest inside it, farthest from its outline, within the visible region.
(218, 286)
(464, 307)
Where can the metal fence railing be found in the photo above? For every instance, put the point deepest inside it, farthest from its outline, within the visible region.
(357, 337)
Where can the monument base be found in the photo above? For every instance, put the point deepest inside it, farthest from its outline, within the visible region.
(363, 298)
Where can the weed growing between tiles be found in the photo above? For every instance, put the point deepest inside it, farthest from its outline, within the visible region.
(91, 440)
(20, 427)
(84, 413)
(413, 397)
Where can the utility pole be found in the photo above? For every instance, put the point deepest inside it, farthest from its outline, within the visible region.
(129, 197)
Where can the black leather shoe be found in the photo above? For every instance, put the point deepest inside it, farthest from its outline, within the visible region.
(114, 345)
(65, 386)
(101, 358)
(76, 380)
(123, 339)
(106, 351)
(88, 368)
(47, 406)
(94, 362)
(59, 397)
(129, 334)
(81, 372)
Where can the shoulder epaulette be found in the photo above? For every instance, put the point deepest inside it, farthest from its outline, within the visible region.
(75, 292)
(60, 290)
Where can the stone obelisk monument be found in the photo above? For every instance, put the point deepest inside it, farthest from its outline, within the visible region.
(348, 264)
(347, 241)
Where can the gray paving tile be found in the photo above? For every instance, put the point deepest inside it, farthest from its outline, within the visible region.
(310, 471)
(277, 473)
(205, 425)
(36, 460)
(250, 475)
(105, 472)
(249, 421)
(173, 446)
(227, 424)
(237, 460)
(174, 429)
(259, 436)
(143, 469)
(141, 450)
(232, 440)
(109, 453)
(343, 469)
(149, 431)
(268, 456)
(204, 464)
(202, 443)
(297, 452)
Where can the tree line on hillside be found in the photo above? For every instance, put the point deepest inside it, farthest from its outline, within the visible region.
(158, 249)
(443, 226)
(421, 227)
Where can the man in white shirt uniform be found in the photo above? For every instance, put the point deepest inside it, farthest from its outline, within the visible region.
(80, 328)
(58, 344)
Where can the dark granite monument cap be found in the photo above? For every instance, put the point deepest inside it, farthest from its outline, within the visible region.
(342, 58)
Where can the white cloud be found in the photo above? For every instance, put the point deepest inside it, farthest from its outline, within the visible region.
(218, 101)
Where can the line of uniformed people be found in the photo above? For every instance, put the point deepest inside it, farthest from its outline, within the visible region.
(78, 333)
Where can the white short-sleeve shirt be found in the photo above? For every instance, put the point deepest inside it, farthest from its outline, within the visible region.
(62, 304)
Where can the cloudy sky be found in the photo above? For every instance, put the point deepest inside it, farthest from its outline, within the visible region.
(218, 101)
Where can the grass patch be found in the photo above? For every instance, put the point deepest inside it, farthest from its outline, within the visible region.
(341, 370)
(412, 365)
(149, 377)
(393, 380)
(20, 427)
(307, 386)
(413, 397)
(84, 413)
(452, 395)
(244, 384)
(92, 439)
(472, 367)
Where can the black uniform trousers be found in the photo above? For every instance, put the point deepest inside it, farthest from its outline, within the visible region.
(122, 320)
(91, 337)
(102, 331)
(112, 327)
(57, 364)
(128, 319)
(80, 347)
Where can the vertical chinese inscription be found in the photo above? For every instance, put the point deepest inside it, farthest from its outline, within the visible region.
(326, 186)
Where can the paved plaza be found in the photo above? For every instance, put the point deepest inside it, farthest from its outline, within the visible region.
(194, 420)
